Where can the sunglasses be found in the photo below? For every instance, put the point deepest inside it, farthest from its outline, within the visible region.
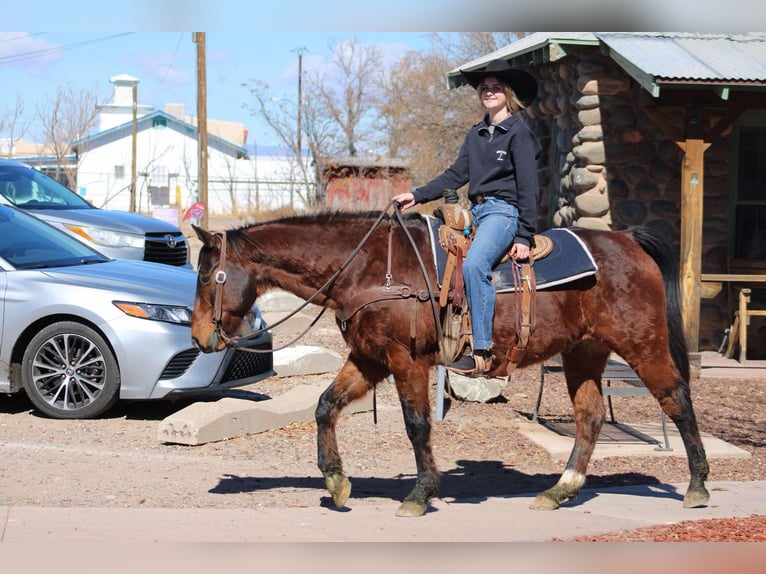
(495, 88)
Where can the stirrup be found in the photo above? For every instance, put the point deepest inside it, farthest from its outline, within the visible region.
(471, 365)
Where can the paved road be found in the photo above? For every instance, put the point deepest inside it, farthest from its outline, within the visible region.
(496, 519)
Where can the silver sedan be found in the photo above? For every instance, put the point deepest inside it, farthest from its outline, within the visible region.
(79, 331)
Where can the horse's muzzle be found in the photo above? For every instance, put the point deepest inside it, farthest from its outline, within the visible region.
(212, 345)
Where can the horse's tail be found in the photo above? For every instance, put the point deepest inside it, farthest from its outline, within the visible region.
(661, 251)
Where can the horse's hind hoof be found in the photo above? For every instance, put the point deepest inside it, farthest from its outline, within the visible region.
(696, 498)
(339, 487)
(542, 502)
(410, 508)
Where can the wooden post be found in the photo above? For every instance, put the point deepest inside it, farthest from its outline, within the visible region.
(692, 188)
(744, 320)
(199, 39)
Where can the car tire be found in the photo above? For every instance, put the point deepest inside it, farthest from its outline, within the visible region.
(70, 372)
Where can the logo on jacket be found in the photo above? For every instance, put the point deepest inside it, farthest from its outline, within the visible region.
(501, 153)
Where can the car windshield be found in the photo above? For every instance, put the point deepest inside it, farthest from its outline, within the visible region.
(31, 189)
(29, 243)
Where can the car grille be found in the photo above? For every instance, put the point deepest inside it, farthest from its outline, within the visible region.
(246, 364)
(168, 248)
(179, 364)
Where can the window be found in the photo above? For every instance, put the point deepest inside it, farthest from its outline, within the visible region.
(750, 193)
(119, 171)
(160, 122)
(160, 195)
(159, 190)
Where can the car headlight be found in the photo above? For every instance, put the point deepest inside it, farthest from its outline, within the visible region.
(107, 237)
(178, 314)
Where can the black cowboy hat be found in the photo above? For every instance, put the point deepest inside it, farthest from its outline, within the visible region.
(520, 81)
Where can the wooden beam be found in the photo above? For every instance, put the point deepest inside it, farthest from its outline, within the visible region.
(726, 121)
(664, 124)
(692, 186)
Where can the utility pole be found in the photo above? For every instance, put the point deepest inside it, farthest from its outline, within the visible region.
(199, 39)
(134, 137)
(299, 143)
(300, 99)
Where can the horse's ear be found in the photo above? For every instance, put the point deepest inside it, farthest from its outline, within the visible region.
(205, 236)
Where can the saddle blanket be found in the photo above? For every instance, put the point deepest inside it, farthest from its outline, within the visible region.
(569, 260)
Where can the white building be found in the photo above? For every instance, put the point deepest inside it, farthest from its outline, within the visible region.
(166, 162)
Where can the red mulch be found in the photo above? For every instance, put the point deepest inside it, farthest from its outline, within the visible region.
(745, 529)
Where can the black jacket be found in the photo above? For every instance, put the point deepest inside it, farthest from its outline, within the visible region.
(498, 160)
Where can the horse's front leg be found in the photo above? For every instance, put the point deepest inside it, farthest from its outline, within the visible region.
(589, 413)
(349, 385)
(412, 386)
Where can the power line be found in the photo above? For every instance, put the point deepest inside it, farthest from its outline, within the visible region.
(36, 53)
(170, 66)
(19, 37)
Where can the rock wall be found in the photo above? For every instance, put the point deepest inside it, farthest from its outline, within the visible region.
(612, 168)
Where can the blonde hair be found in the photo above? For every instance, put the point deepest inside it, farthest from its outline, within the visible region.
(512, 101)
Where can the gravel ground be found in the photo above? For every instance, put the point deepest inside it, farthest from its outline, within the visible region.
(117, 461)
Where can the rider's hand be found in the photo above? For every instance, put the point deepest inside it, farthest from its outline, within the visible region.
(405, 200)
(520, 251)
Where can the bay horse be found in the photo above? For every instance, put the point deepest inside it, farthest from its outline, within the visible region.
(344, 261)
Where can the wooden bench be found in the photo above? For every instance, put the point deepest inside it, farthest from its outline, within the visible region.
(615, 372)
(712, 283)
(743, 315)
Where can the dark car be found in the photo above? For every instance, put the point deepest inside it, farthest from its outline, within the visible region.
(116, 234)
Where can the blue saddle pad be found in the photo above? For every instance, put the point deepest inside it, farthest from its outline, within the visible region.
(569, 260)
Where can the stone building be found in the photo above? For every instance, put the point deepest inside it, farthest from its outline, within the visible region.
(660, 129)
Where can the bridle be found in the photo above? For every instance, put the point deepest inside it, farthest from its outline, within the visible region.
(239, 342)
(219, 277)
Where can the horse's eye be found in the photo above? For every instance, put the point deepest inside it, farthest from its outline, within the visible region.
(204, 278)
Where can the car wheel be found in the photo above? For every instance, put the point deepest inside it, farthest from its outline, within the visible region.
(70, 372)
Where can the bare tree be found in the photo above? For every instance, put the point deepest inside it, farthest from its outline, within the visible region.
(65, 118)
(281, 113)
(422, 118)
(466, 46)
(345, 90)
(407, 111)
(11, 124)
(230, 180)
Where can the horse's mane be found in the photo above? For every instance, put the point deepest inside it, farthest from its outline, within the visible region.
(325, 217)
(344, 219)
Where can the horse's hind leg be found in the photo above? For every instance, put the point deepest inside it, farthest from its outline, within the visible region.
(583, 367)
(351, 383)
(678, 407)
(674, 396)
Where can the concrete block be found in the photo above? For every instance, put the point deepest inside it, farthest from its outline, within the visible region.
(292, 324)
(306, 360)
(204, 422)
(281, 302)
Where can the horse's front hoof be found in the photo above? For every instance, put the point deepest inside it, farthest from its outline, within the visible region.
(410, 508)
(696, 498)
(339, 487)
(543, 502)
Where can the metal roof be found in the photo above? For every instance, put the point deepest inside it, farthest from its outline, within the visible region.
(535, 48)
(97, 139)
(724, 60)
(653, 59)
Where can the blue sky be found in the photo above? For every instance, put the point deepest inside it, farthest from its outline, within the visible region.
(35, 64)
(258, 40)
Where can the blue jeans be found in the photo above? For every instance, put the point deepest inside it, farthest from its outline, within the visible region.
(496, 221)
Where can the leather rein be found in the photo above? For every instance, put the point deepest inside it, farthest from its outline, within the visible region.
(362, 299)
